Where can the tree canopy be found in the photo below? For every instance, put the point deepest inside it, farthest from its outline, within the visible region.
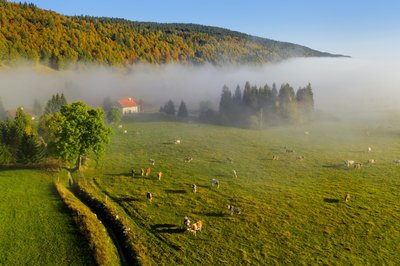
(77, 130)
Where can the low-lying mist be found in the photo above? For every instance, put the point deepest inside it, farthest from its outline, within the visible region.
(341, 86)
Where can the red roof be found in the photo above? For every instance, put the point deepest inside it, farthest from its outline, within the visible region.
(128, 102)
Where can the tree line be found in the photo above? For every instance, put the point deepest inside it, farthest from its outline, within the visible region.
(256, 107)
(64, 131)
(28, 32)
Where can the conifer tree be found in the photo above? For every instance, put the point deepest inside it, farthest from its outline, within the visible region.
(182, 110)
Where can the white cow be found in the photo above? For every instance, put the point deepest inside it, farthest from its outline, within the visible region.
(234, 173)
(178, 141)
(215, 182)
(186, 222)
(396, 161)
(194, 188)
(348, 163)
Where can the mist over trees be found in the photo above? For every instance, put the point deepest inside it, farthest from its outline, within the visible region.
(255, 107)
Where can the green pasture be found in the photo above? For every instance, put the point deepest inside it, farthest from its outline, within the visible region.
(35, 226)
(293, 211)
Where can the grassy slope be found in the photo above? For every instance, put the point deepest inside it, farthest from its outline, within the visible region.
(35, 226)
(292, 211)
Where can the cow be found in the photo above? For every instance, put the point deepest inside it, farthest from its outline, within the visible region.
(148, 171)
(152, 162)
(396, 161)
(119, 126)
(195, 227)
(369, 149)
(159, 175)
(357, 165)
(178, 141)
(234, 173)
(348, 163)
(371, 161)
(141, 172)
(229, 160)
(188, 159)
(289, 150)
(133, 172)
(194, 188)
(149, 196)
(275, 157)
(299, 158)
(125, 131)
(233, 209)
(215, 182)
(186, 222)
(347, 197)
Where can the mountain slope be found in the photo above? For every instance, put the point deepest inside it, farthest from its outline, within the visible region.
(28, 32)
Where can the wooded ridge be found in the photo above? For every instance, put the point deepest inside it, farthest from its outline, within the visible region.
(30, 33)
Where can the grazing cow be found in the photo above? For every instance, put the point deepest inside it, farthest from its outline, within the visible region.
(371, 161)
(215, 182)
(396, 161)
(347, 197)
(229, 160)
(289, 150)
(234, 173)
(348, 163)
(125, 131)
(133, 172)
(233, 209)
(149, 196)
(186, 222)
(178, 141)
(357, 165)
(159, 175)
(188, 159)
(194, 188)
(148, 171)
(369, 149)
(300, 158)
(141, 172)
(275, 157)
(152, 162)
(195, 227)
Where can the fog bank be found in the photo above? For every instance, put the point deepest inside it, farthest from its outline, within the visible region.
(339, 84)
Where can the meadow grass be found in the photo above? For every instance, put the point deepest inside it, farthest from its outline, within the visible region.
(293, 211)
(35, 226)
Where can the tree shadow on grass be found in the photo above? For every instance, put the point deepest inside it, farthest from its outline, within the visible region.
(330, 200)
(176, 191)
(167, 228)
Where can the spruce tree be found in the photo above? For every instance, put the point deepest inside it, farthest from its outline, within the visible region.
(182, 111)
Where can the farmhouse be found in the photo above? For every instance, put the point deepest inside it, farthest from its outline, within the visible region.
(129, 106)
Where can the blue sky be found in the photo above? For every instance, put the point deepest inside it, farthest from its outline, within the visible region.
(360, 28)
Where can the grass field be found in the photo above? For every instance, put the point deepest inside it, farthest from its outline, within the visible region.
(293, 211)
(35, 226)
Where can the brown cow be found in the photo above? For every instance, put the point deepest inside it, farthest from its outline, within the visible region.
(195, 227)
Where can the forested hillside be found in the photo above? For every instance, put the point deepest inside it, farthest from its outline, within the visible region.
(28, 32)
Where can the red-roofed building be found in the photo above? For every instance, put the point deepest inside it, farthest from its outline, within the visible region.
(129, 106)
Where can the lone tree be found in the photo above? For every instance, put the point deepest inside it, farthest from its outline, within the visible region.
(77, 130)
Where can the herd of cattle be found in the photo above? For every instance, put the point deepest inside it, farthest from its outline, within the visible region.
(197, 226)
